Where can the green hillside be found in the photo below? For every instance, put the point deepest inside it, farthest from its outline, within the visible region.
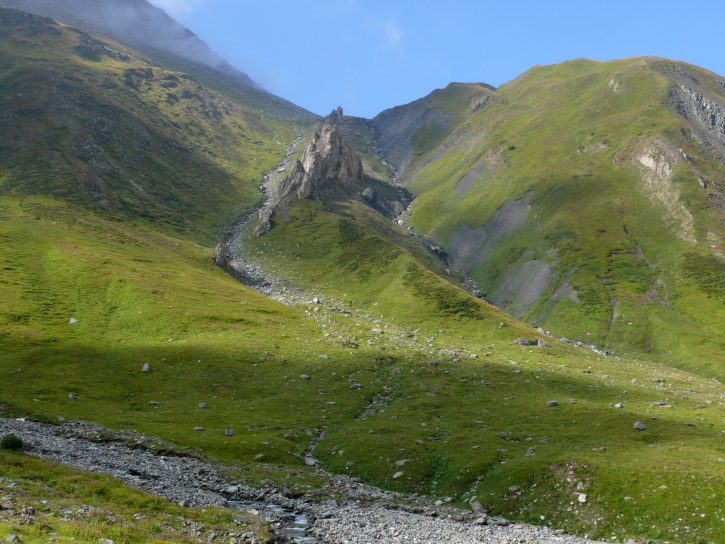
(118, 177)
(584, 198)
(94, 123)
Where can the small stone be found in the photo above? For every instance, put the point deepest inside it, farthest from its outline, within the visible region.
(480, 521)
(438, 502)
(146, 368)
(105, 541)
(419, 441)
(324, 357)
(232, 490)
(397, 475)
(531, 451)
(199, 429)
(552, 403)
(619, 405)
(72, 320)
(478, 508)
(203, 405)
(639, 426)
(499, 521)
(311, 461)
(304, 377)
(258, 456)
(229, 432)
(315, 300)
(185, 503)
(514, 488)
(356, 386)
(582, 498)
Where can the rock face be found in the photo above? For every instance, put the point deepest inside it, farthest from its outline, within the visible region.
(326, 158)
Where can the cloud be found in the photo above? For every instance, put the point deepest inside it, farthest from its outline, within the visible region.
(178, 7)
(391, 32)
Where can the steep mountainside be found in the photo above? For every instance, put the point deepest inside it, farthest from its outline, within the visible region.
(122, 135)
(149, 29)
(583, 197)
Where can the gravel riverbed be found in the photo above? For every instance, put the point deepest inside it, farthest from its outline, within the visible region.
(363, 515)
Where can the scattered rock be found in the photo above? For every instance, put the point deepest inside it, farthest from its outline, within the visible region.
(146, 368)
(639, 426)
(397, 475)
(72, 320)
(619, 405)
(552, 403)
(203, 405)
(531, 342)
(304, 377)
(478, 508)
(229, 432)
(12, 539)
(200, 429)
(582, 498)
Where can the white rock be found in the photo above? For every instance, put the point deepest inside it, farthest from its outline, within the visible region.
(582, 498)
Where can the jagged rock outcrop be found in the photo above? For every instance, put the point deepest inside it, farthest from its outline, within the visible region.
(326, 158)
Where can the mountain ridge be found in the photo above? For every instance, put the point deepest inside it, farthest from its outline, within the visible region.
(143, 25)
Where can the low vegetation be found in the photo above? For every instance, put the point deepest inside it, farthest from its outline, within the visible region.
(40, 500)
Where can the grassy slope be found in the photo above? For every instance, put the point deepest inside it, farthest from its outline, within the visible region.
(564, 135)
(121, 135)
(76, 506)
(141, 295)
(446, 373)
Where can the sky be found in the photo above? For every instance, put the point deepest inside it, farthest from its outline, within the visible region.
(370, 55)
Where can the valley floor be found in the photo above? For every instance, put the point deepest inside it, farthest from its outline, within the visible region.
(345, 512)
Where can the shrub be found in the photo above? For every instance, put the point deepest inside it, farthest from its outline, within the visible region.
(11, 442)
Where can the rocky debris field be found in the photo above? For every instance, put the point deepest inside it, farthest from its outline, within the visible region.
(346, 511)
